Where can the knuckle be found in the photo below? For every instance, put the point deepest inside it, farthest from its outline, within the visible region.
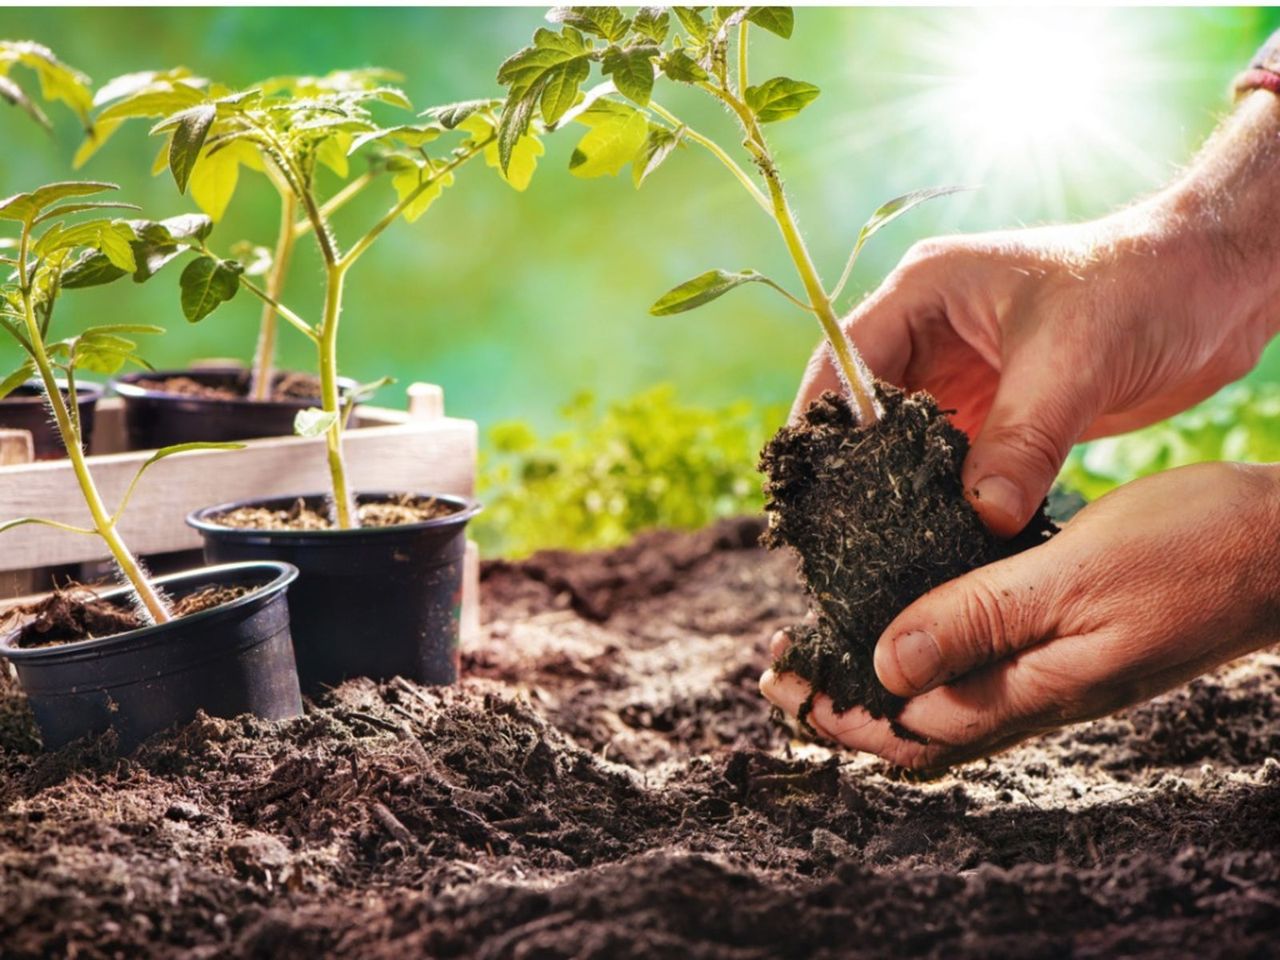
(929, 250)
(1041, 449)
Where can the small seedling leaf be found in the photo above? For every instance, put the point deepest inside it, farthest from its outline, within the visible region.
(16, 379)
(632, 71)
(780, 98)
(206, 284)
(451, 114)
(703, 289)
(314, 422)
(657, 147)
(692, 22)
(652, 23)
(190, 128)
(608, 23)
(896, 207)
(618, 131)
(26, 206)
(777, 20)
(682, 68)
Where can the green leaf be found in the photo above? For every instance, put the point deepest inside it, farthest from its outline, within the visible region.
(206, 284)
(26, 206)
(692, 22)
(114, 242)
(15, 95)
(409, 180)
(777, 20)
(16, 379)
(451, 114)
(178, 448)
(896, 207)
(652, 23)
(217, 173)
(608, 23)
(780, 98)
(313, 422)
(617, 133)
(703, 289)
(560, 91)
(553, 58)
(524, 156)
(190, 128)
(657, 147)
(103, 353)
(682, 68)
(365, 391)
(410, 135)
(66, 209)
(632, 71)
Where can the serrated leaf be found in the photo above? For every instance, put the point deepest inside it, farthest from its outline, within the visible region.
(607, 23)
(617, 133)
(528, 72)
(16, 379)
(314, 422)
(191, 127)
(703, 289)
(657, 147)
(411, 135)
(114, 242)
(692, 22)
(24, 206)
(560, 89)
(652, 23)
(777, 20)
(682, 68)
(206, 284)
(780, 98)
(409, 180)
(632, 71)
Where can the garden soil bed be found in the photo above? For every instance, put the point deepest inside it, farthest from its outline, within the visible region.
(607, 783)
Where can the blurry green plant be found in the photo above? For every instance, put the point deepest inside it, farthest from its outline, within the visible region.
(293, 128)
(647, 461)
(706, 48)
(1240, 423)
(58, 82)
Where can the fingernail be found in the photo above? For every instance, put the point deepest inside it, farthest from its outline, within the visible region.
(1001, 496)
(919, 658)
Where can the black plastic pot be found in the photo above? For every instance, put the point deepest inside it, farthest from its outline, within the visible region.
(154, 418)
(372, 602)
(25, 409)
(228, 660)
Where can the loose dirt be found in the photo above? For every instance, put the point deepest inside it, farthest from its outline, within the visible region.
(879, 518)
(607, 783)
(287, 386)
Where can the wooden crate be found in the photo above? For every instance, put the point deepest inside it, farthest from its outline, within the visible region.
(417, 449)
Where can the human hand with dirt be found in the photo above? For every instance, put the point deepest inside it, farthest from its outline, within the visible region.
(1039, 338)
(1144, 589)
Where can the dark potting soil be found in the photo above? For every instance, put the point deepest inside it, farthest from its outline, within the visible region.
(878, 518)
(72, 614)
(397, 512)
(607, 783)
(288, 386)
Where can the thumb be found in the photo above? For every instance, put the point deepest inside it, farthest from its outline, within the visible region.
(1039, 411)
(979, 618)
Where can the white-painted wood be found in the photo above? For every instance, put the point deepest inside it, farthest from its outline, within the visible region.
(470, 626)
(426, 401)
(15, 447)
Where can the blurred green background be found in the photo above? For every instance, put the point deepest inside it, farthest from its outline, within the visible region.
(517, 303)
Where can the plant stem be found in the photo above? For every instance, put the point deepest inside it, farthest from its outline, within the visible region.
(102, 523)
(716, 151)
(335, 274)
(335, 203)
(852, 368)
(742, 57)
(264, 355)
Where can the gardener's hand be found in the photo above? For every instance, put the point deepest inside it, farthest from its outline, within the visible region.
(1149, 586)
(1041, 337)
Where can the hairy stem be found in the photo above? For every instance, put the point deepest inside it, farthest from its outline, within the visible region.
(151, 600)
(335, 203)
(330, 398)
(265, 354)
(716, 151)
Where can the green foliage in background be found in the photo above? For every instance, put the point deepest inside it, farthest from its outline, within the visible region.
(1239, 423)
(648, 461)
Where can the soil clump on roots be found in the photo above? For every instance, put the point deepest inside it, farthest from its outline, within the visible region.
(606, 783)
(878, 518)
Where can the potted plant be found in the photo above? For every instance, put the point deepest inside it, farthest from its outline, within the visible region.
(866, 486)
(380, 581)
(21, 405)
(230, 403)
(151, 652)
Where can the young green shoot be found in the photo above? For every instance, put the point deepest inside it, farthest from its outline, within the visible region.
(707, 49)
(66, 241)
(58, 82)
(291, 135)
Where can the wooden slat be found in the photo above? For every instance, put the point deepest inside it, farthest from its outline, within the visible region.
(437, 456)
(16, 449)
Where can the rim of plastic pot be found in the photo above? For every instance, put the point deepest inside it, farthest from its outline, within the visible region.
(199, 519)
(285, 574)
(126, 386)
(85, 390)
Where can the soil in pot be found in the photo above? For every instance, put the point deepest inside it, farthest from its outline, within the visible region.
(25, 409)
(183, 406)
(88, 664)
(74, 613)
(380, 600)
(878, 518)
